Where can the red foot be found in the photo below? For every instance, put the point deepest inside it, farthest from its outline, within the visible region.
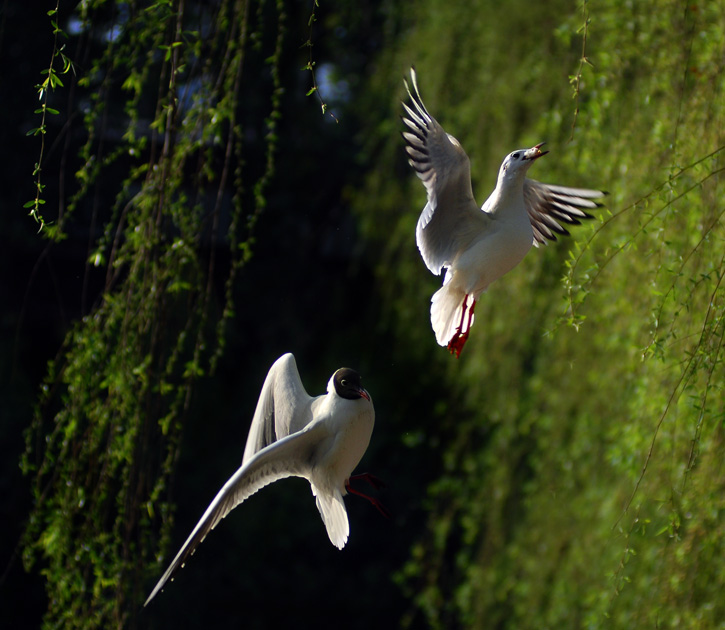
(376, 483)
(455, 345)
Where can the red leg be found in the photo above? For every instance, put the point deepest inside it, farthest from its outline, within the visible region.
(379, 506)
(463, 314)
(470, 316)
(455, 345)
(375, 482)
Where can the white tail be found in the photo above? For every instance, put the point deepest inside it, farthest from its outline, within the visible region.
(446, 310)
(334, 515)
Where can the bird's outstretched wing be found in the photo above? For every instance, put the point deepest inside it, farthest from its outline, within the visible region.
(548, 205)
(283, 407)
(451, 217)
(288, 457)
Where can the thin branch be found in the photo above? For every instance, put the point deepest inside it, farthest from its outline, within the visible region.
(577, 259)
(674, 396)
(576, 79)
(315, 89)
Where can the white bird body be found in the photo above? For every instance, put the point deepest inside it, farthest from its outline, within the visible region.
(493, 244)
(319, 438)
(476, 246)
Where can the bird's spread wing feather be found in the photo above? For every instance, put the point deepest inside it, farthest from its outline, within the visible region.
(549, 205)
(283, 407)
(287, 457)
(451, 215)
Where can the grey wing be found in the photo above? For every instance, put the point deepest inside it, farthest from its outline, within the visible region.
(549, 205)
(288, 457)
(283, 407)
(451, 215)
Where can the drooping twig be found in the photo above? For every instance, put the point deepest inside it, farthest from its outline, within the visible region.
(311, 64)
(576, 79)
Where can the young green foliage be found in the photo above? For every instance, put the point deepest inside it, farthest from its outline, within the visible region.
(161, 185)
(51, 81)
(581, 444)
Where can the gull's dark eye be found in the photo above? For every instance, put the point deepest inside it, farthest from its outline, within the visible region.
(343, 382)
(515, 156)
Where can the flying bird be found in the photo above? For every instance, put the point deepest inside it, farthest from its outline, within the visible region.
(472, 246)
(293, 434)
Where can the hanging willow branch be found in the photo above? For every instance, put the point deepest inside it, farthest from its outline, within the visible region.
(161, 159)
(52, 80)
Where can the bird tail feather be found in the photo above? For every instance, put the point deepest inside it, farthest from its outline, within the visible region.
(334, 515)
(446, 311)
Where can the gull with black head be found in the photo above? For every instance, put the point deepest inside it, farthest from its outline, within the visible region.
(293, 434)
(474, 246)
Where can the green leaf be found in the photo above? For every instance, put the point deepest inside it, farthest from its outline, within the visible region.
(55, 80)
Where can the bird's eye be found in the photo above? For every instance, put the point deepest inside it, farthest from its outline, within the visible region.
(343, 382)
(515, 156)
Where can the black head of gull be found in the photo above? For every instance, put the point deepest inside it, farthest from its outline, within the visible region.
(348, 384)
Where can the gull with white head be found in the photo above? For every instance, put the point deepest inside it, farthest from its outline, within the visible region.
(293, 434)
(474, 246)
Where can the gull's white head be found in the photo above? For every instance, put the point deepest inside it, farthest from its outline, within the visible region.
(514, 167)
